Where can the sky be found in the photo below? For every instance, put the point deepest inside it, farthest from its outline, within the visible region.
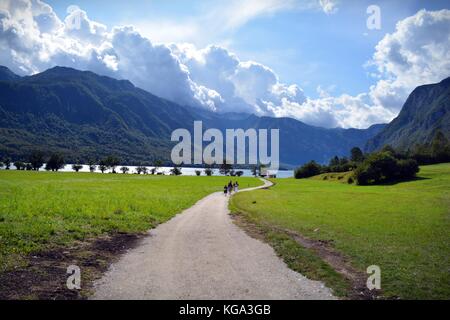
(313, 60)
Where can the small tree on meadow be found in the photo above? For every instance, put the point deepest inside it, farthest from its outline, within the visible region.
(19, 165)
(175, 171)
(102, 166)
(112, 162)
(7, 163)
(239, 173)
(124, 169)
(36, 159)
(91, 165)
(77, 167)
(158, 163)
(208, 172)
(225, 168)
(55, 162)
(198, 173)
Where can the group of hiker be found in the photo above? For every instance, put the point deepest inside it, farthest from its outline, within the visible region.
(230, 187)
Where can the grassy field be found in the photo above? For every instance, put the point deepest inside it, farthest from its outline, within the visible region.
(403, 228)
(41, 210)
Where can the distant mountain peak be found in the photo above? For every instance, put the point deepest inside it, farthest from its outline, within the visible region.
(7, 75)
(64, 74)
(426, 111)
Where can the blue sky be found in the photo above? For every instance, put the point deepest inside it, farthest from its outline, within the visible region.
(303, 46)
(312, 60)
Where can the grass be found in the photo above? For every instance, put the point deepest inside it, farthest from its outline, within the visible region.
(342, 177)
(403, 228)
(42, 210)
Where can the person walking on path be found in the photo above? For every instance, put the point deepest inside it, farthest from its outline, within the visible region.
(225, 190)
(236, 186)
(230, 187)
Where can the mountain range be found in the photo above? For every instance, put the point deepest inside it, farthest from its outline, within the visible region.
(87, 116)
(426, 111)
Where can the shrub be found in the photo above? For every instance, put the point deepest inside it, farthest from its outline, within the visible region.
(198, 172)
(308, 170)
(384, 167)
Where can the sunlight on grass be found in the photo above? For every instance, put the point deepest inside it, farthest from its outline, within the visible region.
(39, 210)
(403, 228)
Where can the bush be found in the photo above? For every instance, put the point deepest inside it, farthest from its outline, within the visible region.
(384, 167)
(308, 170)
(198, 172)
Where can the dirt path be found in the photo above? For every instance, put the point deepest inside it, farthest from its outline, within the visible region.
(202, 254)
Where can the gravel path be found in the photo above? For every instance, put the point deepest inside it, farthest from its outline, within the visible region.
(202, 254)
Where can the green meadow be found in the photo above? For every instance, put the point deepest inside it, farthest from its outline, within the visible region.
(42, 210)
(403, 228)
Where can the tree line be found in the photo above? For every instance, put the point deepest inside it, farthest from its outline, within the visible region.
(383, 166)
(55, 162)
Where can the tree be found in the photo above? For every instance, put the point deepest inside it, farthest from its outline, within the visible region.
(55, 162)
(356, 155)
(175, 171)
(19, 165)
(208, 171)
(440, 148)
(255, 170)
(198, 172)
(102, 166)
(28, 167)
(7, 163)
(158, 163)
(36, 159)
(225, 168)
(239, 173)
(77, 167)
(112, 162)
(91, 165)
(334, 161)
(124, 169)
(383, 167)
(308, 170)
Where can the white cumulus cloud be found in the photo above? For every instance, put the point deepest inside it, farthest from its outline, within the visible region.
(33, 38)
(417, 53)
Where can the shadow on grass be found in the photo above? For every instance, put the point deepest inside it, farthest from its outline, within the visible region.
(395, 182)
